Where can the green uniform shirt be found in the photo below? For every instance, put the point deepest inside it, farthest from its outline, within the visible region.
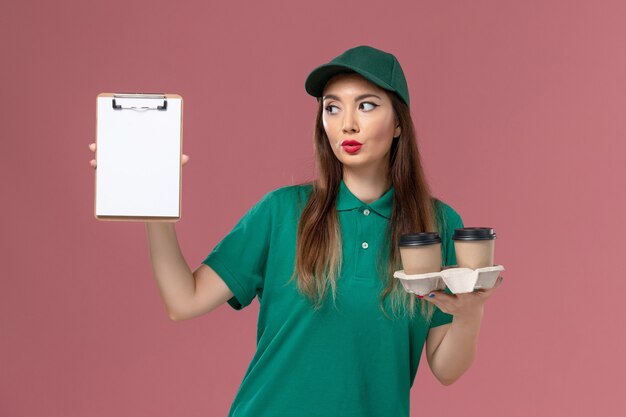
(349, 361)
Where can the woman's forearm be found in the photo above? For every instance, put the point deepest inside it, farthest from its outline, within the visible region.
(457, 350)
(174, 278)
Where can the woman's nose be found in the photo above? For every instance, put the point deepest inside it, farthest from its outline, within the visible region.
(349, 123)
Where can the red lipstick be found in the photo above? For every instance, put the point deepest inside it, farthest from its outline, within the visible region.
(351, 145)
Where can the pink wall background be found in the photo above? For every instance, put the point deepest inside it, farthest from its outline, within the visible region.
(519, 108)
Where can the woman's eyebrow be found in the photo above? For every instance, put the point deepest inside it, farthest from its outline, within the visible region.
(362, 96)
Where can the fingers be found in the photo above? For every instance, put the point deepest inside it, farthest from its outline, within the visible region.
(438, 297)
(184, 159)
(92, 147)
(441, 300)
(461, 303)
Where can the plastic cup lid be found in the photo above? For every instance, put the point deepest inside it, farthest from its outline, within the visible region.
(474, 233)
(419, 239)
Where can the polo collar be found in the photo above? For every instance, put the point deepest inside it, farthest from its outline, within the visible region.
(348, 201)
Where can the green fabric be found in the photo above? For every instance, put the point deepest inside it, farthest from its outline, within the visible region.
(349, 361)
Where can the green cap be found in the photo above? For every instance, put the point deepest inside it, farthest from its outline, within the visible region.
(379, 67)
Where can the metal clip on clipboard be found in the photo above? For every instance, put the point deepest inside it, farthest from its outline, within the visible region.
(146, 96)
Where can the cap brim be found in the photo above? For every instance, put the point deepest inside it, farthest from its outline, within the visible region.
(317, 79)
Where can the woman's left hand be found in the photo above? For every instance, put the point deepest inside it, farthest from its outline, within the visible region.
(465, 304)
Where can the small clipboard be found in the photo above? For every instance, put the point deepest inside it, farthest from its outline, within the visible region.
(139, 142)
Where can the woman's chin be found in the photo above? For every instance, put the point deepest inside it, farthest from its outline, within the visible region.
(354, 162)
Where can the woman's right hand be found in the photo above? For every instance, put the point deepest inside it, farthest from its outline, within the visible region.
(184, 159)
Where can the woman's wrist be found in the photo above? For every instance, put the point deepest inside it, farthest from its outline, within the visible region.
(473, 315)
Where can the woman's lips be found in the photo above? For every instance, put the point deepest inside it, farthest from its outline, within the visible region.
(351, 148)
(351, 145)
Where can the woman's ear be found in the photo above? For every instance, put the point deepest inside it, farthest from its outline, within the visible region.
(397, 130)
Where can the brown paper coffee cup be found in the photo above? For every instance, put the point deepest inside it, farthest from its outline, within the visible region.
(474, 247)
(420, 253)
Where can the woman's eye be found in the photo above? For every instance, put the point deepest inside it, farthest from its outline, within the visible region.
(328, 108)
(371, 104)
(364, 104)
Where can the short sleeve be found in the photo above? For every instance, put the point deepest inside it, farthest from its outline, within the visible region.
(240, 257)
(449, 220)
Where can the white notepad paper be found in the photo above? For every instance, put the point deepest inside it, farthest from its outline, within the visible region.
(138, 154)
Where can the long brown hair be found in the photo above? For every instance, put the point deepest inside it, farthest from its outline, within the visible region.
(319, 247)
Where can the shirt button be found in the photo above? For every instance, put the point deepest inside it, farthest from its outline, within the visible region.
(366, 212)
(364, 245)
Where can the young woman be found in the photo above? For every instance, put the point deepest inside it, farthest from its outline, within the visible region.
(337, 334)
